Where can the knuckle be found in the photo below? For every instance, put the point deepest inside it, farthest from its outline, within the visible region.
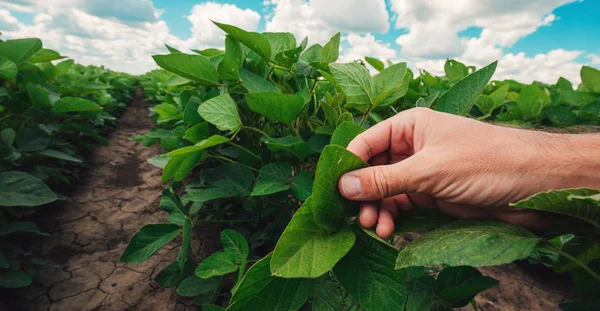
(378, 182)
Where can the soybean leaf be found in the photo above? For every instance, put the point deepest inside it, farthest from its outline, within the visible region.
(58, 155)
(532, 101)
(197, 133)
(232, 60)
(345, 133)
(388, 81)
(194, 67)
(291, 144)
(302, 186)
(355, 82)
(186, 241)
(377, 64)
(459, 285)
(565, 202)
(331, 50)
(455, 70)
(307, 251)
(329, 295)
(190, 112)
(7, 136)
(8, 69)
(219, 263)
(14, 279)
(254, 41)
(280, 41)
(45, 55)
(427, 102)
(461, 97)
(420, 220)
(590, 77)
(235, 180)
(255, 83)
(259, 290)
(221, 111)
(212, 308)
(171, 203)
(172, 275)
(38, 96)
(20, 227)
(31, 139)
(367, 273)
(469, 243)
(20, 50)
(329, 206)
(194, 286)
(148, 240)
(276, 106)
(22, 189)
(422, 294)
(273, 178)
(212, 141)
(74, 104)
(235, 245)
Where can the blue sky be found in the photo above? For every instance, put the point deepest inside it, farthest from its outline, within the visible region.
(533, 40)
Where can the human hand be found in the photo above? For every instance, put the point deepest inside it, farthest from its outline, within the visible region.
(465, 168)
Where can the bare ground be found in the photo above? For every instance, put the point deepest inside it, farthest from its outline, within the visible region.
(120, 194)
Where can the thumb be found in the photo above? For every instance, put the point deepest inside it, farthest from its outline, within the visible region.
(382, 181)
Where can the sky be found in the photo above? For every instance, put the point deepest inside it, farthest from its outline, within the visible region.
(534, 40)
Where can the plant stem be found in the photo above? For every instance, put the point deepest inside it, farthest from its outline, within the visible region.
(256, 130)
(574, 260)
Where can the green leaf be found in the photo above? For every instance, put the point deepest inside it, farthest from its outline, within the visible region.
(355, 81)
(194, 67)
(532, 101)
(190, 112)
(427, 102)
(31, 139)
(20, 227)
(197, 132)
(172, 275)
(171, 203)
(8, 69)
(254, 41)
(422, 293)
(469, 243)
(377, 64)
(261, 291)
(221, 111)
(38, 96)
(234, 180)
(499, 95)
(331, 51)
(280, 41)
(455, 70)
(459, 285)
(45, 55)
(235, 245)
(565, 202)
(421, 219)
(148, 240)
(461, 97)
(276, 106)
(291, 144)
(14, 279)
(212, 308)
(389, 81)
(307, 251)
(302, 186)
(232, 60)
(329, 295)
(219, 263)
(329, 206)
(377, 286)
(194, 286)
(207, 143)
(255, 83)
(186, 246)
(58, 155)
(590, 77)
(564, 84)
(166, 111)
(74, 104)
(345, 133)
(20, 50)
(21, 189)
(7, 136)
(273, 178)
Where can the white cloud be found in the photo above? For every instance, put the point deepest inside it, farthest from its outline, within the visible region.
(366, 45)
(321, 19)
(594, 58)
(205, 33)
(7, 21)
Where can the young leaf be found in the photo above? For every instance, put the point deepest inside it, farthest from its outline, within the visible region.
(307, 251)
(74, 104)
(171, 203)
(329, 206)
(219, 263)
(459, 285)
(148, 240)
(232, 60)
(565, 202)
(302, 186)
(274, 177)
(22, 189)
(345, 133)
(378, 286)
(590, 77)
(532, 101)
(194, 67)
(19, 50)
(389, 81)
(235, 245)
(455, 70)
(377, 64)
(461, 97)
(469, 243)
(221, 111)
(194, 286)
(254, 41)
(255, 83)
(207, 143)
(276, 106)
(331, 50)
(261, 291)
(355, 81)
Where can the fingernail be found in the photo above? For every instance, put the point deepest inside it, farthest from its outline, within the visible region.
(351, 185)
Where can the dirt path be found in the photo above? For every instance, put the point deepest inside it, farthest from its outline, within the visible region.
(119, 194)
